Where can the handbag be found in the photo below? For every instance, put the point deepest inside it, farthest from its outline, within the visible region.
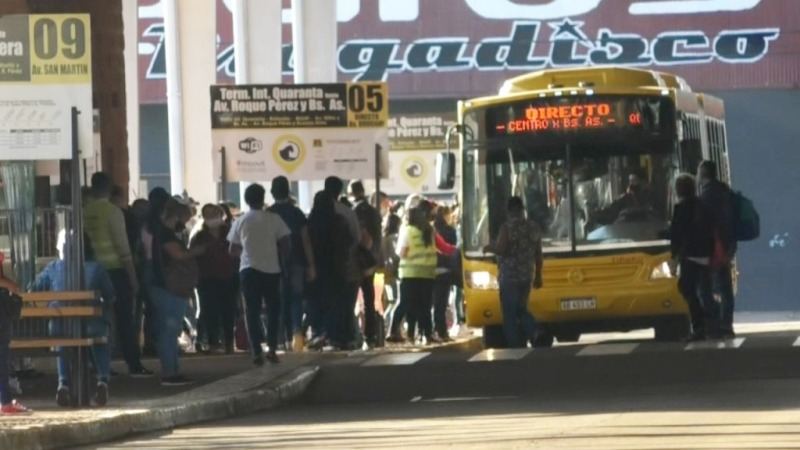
(10, 304)
(181, 276)
(240, 335)
(367, 262)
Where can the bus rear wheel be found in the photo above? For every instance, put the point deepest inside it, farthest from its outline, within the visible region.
(673, 330)
(493, 337)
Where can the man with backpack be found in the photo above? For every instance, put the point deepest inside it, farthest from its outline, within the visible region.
(717, 199)
(297, 263)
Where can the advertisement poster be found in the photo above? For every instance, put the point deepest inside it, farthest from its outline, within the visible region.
(45, 71)
(304, 132)
(460, 49)
(414, 172)
(414, 140)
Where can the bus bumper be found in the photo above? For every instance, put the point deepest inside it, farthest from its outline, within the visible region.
(608, 308)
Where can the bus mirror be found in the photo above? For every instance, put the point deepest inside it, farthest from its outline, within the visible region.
(445, 170)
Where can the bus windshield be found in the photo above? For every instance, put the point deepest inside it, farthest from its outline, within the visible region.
(613, 191)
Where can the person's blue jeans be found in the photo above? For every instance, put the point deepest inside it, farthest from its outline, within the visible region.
(318, 307)
(517, 319)
(217, 310)
(259, 288)
(292, 300)
(148, 320)
(695, 287)
(124, 306)
(417, 294)
(399, 312)
(459, 305)
(723, 285)
(6, 396)
(101, 353)
(170, 311)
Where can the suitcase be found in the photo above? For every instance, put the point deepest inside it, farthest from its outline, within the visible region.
(240, 334)
(380, 328)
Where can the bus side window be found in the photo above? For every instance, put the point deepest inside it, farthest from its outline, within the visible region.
(723, 152)
(691, 145)
(716, 146)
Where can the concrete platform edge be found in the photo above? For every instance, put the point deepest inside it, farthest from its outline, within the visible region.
(275, 392)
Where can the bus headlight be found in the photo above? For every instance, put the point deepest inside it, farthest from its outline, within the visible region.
(481, 280)
(662, 271)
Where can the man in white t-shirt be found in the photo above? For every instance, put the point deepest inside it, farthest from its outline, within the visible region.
(261, 240)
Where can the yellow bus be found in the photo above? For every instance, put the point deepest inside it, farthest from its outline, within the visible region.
(593, 153)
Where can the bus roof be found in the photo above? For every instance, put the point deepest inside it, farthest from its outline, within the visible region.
(593, 77)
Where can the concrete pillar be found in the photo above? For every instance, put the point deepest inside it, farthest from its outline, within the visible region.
(257, 39)
(315, 39)
(130, 20)
(190, 36)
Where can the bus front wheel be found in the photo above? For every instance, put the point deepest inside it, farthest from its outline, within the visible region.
(493, 337)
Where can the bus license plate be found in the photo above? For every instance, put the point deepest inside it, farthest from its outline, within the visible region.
(578, 304)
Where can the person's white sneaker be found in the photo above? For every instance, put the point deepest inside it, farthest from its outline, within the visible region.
(13, 384)
(464, 331)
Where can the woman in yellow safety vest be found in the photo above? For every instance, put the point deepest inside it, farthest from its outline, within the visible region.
(417, 271)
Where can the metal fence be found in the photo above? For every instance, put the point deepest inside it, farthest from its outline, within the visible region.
(29, 241)
(47, 222)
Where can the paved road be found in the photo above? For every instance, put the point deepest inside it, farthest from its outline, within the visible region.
(619, 395)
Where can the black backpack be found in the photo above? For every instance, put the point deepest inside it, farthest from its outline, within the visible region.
(746, 222)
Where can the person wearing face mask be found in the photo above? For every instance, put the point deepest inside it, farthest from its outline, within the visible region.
(183, 226)
(219, 281)
(166, 248)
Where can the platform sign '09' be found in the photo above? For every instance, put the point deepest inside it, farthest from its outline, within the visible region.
(45, 48)
(45, 71)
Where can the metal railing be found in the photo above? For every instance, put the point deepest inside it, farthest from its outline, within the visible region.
(29, 242)
(47, 222)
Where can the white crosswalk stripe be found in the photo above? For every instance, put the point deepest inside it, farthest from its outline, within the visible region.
(593, 349)
(500, 354)
(607, 349)
(716, 345)
(397, 359)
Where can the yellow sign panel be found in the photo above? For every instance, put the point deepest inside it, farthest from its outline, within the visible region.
(367, 105)
(60, 48)
(414, 170)
(289, 152)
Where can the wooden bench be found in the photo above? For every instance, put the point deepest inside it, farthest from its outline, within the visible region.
(31, 332)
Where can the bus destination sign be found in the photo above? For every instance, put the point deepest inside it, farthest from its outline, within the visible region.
(574, 114)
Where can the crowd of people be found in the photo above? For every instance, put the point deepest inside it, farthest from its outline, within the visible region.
(161, 268)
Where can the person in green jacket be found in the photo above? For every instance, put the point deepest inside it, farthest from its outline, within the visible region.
(104, 222)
